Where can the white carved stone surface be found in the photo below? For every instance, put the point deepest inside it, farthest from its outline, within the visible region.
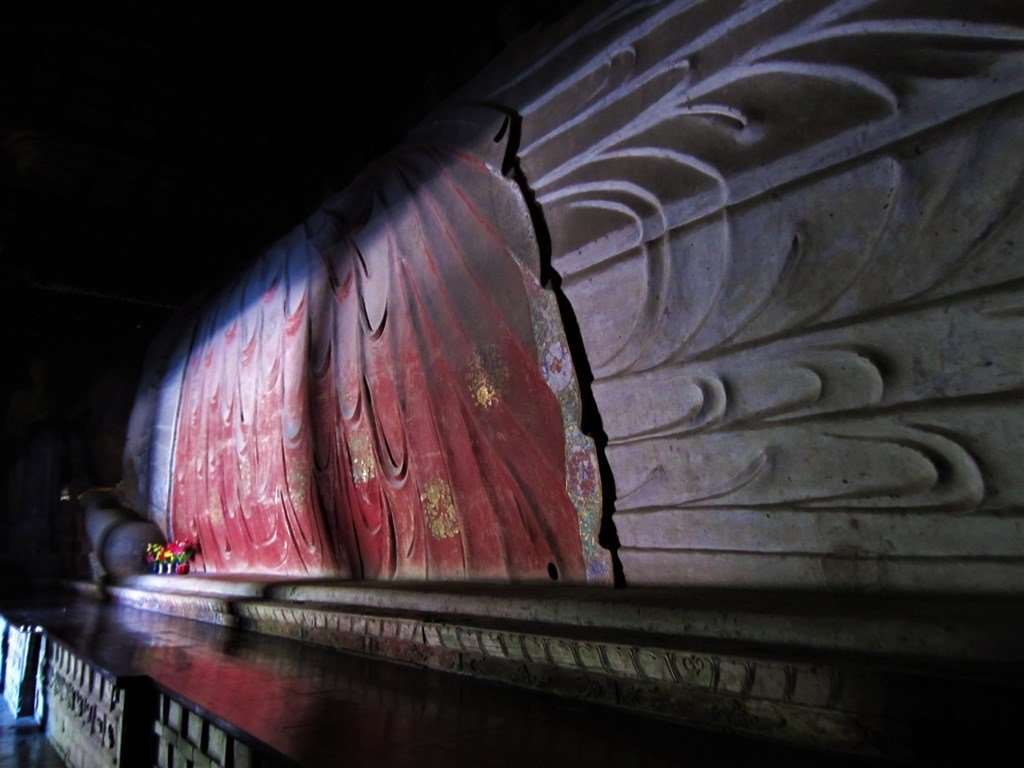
(40, 704)
(21, 660)
(3, 650)
(791, 235)
(86, 712)
(187, 738)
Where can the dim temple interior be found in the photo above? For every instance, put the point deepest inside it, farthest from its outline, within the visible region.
(631, 383)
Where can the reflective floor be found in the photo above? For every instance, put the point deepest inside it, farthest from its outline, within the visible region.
(320, 707)
(23, 743)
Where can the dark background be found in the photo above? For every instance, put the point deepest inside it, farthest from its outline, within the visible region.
(148, 150)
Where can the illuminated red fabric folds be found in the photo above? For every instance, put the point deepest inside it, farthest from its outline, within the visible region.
(367, 402)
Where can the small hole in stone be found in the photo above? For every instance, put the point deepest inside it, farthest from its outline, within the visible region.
(552, 572)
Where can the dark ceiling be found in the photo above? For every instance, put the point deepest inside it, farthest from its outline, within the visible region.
(148, 149)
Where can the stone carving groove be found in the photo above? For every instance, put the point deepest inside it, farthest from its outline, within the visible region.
(791, 236)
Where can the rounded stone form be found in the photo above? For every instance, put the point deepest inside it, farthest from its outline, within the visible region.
(124, 548)
(117, 535)
(100, 521)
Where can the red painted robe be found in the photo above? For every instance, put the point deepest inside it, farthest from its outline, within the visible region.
(367, 400)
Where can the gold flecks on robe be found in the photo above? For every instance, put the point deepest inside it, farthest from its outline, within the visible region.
(486, 378)
(439, 510)
(298, 484)
(245, 474)
(214, 511)
(364, 465)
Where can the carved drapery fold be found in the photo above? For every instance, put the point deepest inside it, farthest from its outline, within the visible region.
(377, 398)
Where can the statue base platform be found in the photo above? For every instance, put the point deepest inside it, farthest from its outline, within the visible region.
(894, 677)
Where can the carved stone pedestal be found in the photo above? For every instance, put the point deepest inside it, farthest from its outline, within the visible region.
(97, 720)
(185, 737)
(903, 678)
(21, 659)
